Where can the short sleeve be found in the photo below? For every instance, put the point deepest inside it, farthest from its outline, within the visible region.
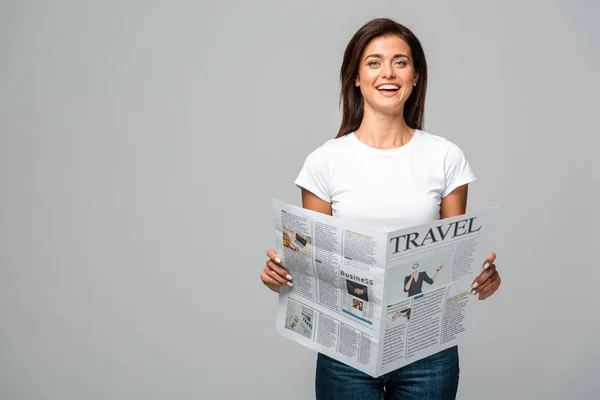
(456, 169)
(315, 175)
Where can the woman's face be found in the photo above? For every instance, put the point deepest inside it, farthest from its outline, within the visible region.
(386, 74)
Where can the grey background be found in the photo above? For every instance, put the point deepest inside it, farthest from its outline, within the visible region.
(141, 143)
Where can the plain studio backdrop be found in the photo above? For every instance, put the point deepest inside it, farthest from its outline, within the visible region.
(141, 143)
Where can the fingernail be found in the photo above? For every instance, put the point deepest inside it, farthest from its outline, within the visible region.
(288, 277)
(475, 285)
(290, 284)
(473, 292)
(486, 265)
(278, 260)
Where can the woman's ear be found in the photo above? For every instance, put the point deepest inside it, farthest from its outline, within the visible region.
(356, 82)
(416, 80)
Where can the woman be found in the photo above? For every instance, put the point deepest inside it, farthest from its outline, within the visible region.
(413, 283)
(382, 169)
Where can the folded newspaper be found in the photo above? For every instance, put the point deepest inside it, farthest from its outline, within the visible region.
(373, 299)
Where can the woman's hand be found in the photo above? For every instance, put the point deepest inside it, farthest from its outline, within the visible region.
(489, 281)
(274, 275)
(398, 315)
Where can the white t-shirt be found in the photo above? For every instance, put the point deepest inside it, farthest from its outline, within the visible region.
(388, 189)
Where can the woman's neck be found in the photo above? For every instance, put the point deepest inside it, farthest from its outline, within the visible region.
(384, 131)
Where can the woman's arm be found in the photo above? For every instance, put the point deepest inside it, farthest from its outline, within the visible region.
(455, 203)
(437, 271)
(312, 202)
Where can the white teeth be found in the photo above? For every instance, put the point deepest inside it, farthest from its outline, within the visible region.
(388, 87)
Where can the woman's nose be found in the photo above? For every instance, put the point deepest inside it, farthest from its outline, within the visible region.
(387, 71)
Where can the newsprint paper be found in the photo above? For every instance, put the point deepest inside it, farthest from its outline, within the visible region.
(378, 300)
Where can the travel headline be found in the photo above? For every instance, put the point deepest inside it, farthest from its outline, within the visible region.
(435, 234)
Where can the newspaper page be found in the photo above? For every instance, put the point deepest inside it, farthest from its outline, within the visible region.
(429, 273)
(336, 303)
(378, 300)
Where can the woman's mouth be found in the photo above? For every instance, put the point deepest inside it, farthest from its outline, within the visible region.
(387, 89)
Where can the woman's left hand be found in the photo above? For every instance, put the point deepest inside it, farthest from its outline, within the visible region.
(489, 281)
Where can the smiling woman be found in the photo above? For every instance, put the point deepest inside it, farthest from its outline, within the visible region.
(383, 52)
(382, 169)
(386, 75)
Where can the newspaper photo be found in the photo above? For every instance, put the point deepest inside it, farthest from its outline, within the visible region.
(378, 300)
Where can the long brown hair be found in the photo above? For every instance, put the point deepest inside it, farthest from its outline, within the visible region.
(351, 99)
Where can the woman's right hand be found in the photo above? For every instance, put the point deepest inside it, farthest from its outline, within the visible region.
(274, 275)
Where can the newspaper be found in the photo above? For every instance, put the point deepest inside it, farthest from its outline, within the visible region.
(373, 299)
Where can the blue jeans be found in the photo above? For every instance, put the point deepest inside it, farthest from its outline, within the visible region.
(432, 378)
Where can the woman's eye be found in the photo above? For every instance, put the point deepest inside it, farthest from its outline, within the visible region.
(402, 63)
(372, 63)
